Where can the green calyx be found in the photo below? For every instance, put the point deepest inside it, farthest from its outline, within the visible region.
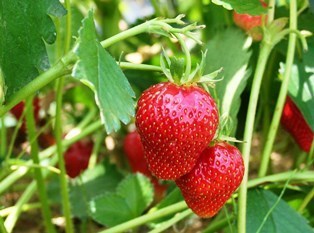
(175, 70)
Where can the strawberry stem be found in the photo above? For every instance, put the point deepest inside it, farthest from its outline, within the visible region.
(172, 209)
(2, 227)
(282, 93)
(41, 187)
(165, 225)
(188, 62)
(248, 132)
(63, 176)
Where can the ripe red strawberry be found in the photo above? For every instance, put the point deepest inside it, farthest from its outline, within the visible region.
(293, 121)
(175, 124)
(134, 151)
(76, 158)
(217, 174)
(250, 23)
(18, 109)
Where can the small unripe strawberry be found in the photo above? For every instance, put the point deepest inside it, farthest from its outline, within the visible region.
(175, 123)
(216, 175)
(293, 121)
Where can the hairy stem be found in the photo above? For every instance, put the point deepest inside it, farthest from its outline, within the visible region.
(63, 176)
(147, 218)
(41, 187)
(3, 138)
(179, 216)
(42, 80)
(306, 201)
(248, 132)
(282, 94)
(2, 227)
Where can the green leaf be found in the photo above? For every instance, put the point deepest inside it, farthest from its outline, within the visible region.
(103, 178)
(133, 195)
(222, 51)
(99, 71)
(24, 26)
(301, 87)
(110, 209)
(94, 182)
(282, 219)
(137, 191)
(252, 7)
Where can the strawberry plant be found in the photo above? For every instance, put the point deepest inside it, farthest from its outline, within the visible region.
(221, 128)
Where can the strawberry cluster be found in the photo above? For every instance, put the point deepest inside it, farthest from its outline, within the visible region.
(176, 124)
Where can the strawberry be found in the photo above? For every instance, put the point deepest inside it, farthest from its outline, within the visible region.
(175, 124)
(250, 23)
(18, 110)
(217, 174)
(76, 158)
(134, 150)
(293, 121)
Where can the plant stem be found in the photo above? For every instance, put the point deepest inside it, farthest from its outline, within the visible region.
(216, 226)
(144, 67)
(179, 216)
(98, 143)
(306, 201)
(41, 187)
(271, 11)
(248, 132)
(147, 218)
(306, 176)
(144, 27)
(39, 82)
(26, 207)
(63, 176)
(12, 218)
(188, 62)
(3, 138)
(2, 227)
(282, 94)
(58, 130)
(68, 31)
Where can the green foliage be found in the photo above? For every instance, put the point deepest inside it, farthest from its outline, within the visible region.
(282, 219)
(133, 195)
(25, 25)
(99, 71)
(222, 51)
(252, 7)
(92, 183)
(104, 177)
